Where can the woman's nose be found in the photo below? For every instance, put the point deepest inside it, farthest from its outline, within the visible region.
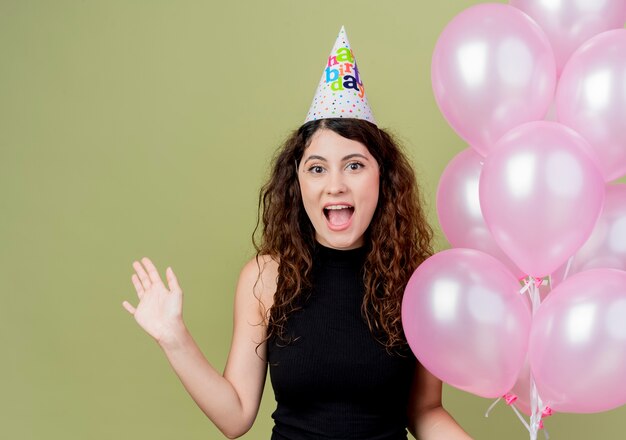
(336, 183)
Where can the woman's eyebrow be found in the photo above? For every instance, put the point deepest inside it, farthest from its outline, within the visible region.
(350, 156)
(314, 157)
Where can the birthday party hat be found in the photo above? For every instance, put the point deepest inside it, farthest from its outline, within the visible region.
(340, 93)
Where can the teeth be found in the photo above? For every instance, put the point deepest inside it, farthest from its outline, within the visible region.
(338, 207)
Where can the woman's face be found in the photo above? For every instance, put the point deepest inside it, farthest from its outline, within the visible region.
(339, 182)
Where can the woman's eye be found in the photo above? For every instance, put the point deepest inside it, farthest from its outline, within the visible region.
(354, 166)
(316, 169)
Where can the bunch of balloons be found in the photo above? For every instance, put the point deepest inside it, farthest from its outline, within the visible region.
(538, 90)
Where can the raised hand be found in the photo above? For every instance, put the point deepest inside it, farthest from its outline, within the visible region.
(160, 308)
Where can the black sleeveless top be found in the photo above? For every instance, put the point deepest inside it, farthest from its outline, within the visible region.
(335, 381)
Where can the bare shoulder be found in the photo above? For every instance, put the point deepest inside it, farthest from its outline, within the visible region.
(258, 277)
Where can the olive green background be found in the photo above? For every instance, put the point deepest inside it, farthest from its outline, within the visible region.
(145, 128)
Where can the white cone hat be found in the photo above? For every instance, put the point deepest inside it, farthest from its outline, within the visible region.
(340, 93)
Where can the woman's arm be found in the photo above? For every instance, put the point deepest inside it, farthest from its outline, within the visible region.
(428, 420)
(230, 400)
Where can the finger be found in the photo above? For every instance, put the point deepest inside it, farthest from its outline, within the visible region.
(143, 276)
(153, 273)
(172, 281)
(138, 287)
(128, 307)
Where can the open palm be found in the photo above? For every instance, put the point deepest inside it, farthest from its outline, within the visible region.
(160, 308)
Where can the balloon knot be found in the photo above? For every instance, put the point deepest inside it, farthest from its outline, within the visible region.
(538, 282)
(509, 398)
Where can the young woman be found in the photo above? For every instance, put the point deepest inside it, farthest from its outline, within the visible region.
(320, 304)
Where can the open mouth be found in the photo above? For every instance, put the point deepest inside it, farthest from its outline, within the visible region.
(338, 215)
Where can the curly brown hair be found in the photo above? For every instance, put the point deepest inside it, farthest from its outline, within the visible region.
(398, 238)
